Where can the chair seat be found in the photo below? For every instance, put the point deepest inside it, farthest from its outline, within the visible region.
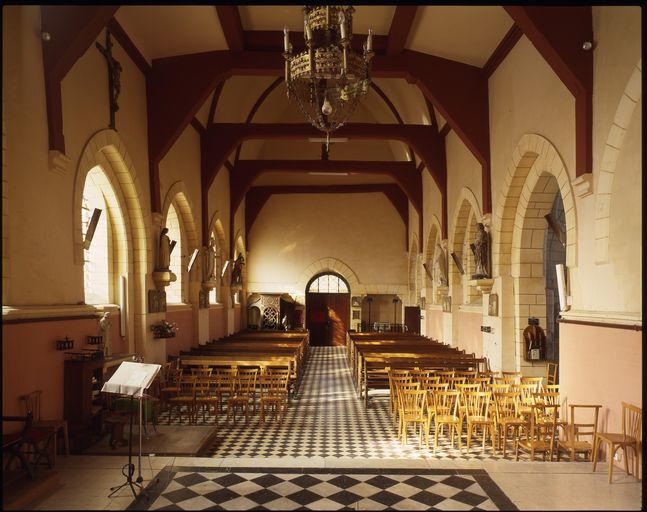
(447, 419)
(618, 438)
(578, 446)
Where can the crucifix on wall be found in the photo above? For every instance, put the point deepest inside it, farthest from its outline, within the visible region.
(114, 75)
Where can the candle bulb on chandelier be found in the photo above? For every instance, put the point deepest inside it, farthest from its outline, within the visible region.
(342, 24)
(286, 39)
(369, 40)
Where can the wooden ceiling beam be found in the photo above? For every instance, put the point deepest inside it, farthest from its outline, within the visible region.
(457, 90)
(558, 33)
(232, 26)
(400, 28)
(404, 173)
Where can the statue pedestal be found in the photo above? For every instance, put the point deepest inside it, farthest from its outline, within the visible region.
(441, 292)
(162, 278)
(207, 286)
(482, 285)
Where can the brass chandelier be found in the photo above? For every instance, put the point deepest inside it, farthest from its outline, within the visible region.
(329, 78)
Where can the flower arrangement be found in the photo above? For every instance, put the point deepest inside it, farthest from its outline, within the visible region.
(164, 329)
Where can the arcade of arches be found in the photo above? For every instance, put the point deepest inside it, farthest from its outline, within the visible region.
(538, 145)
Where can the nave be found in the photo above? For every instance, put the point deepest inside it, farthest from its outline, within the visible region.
(333, 454)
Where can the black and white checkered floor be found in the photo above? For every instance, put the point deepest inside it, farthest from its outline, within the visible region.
(327, 420)
(194, 488)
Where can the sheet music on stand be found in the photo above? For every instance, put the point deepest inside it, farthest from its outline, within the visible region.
(132, 379)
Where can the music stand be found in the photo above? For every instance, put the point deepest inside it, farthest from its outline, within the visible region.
(131, 379)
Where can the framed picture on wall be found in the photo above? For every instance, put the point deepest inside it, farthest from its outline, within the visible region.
(356, 314)
(356, 302)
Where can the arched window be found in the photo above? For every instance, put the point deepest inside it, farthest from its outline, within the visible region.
(214, 293)
(174, 290)
(328, 283)
(96, 260)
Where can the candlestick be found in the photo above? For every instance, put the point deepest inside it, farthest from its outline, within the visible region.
(286, 39)
(369, 40)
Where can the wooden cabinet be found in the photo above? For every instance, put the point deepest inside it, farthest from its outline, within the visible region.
(83, 403)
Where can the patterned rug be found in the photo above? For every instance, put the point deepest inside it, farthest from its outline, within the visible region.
(194, 488)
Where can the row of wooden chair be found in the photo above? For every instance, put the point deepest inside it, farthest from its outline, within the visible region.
(202, 390)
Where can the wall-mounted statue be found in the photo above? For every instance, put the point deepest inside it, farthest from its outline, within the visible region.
(440, 266)
(209, 258)
(481, 253)
(164, 251)
(237, 271)
(104, 330)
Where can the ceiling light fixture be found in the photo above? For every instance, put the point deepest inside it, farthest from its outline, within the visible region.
(328, 79)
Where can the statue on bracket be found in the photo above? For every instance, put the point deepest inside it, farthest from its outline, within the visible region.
(440, 266)
(237, 272)
(164, 252)
(209, 255)
(104, 330)
(481, 249)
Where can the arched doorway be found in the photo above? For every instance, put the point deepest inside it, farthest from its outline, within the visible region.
(327, 309)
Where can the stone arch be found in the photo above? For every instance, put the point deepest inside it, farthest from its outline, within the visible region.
(328, 265)
(433, 238)
(626, 107)
(216, 226)
(533, 156)
(467, 209)
(106, 149)
(178, 195)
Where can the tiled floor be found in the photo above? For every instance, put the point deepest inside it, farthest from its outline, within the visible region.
(333, 454)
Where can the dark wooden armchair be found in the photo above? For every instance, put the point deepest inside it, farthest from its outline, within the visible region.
(12, 447)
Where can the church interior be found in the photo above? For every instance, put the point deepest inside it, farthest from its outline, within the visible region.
(375, 257)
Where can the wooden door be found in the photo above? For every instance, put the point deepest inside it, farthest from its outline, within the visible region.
(327, 318)
(412, 319)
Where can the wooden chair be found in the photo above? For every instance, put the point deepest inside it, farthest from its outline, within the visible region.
(537, 381)
(413, 409)
(226, 385)
(201, 371)
(446, 405)
(400, 388)
(499, 388)
(184, 397)
(169, 386)
(462, 389)
(632, 418)
(244, 394)
(508, 381)
(12, 447)
(507, 417)
(445, 374)
(431, 388)
(513, 375)
(540, 433)
(575, 430)
(206, 396)
(477, 414)
(396, 377)
(488, 375)
(31, 402)
(273, 396)
(467, 374)
(483, 382)
(453, 381)
(551, 373)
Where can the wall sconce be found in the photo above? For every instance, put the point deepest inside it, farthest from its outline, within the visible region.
(65, 344)
(95, 340)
